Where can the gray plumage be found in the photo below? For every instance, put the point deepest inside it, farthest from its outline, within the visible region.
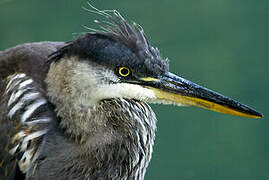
(117, 144)
(47, 134)
(77, 110)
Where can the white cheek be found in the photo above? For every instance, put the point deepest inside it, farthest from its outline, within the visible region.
(89, 86)
(125, 90)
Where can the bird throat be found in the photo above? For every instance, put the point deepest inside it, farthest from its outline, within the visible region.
(124, 128)
(79, 117)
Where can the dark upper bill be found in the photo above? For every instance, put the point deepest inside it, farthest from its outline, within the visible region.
(172, 88)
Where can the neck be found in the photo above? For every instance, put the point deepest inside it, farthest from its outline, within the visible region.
(127, 123)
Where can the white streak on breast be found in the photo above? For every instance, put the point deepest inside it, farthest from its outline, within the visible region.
(13, 150)
(19, 105)
(31, 108)
(25, 83)
(37, 121)
(25, 162)
(14, 109)
(19, 135)
(35, 135)
(28, 96)
(18, 76)
(30, 137)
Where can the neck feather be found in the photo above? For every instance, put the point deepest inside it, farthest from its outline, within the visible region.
(128, 125)
(71, 88)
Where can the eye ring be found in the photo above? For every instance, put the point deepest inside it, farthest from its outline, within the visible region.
(124, 71)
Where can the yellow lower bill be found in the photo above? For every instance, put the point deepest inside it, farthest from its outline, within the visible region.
(192, 101)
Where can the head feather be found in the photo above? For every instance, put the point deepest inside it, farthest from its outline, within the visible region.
(117, 29)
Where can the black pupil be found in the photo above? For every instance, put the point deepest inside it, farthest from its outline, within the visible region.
(124, 71)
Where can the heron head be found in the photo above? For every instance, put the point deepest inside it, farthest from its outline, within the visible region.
(119, 62)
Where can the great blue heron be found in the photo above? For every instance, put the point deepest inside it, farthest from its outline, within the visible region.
(78, 110)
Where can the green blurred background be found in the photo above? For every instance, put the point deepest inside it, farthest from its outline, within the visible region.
(220, 44)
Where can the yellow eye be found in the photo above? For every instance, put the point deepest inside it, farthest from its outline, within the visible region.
(124, 71)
